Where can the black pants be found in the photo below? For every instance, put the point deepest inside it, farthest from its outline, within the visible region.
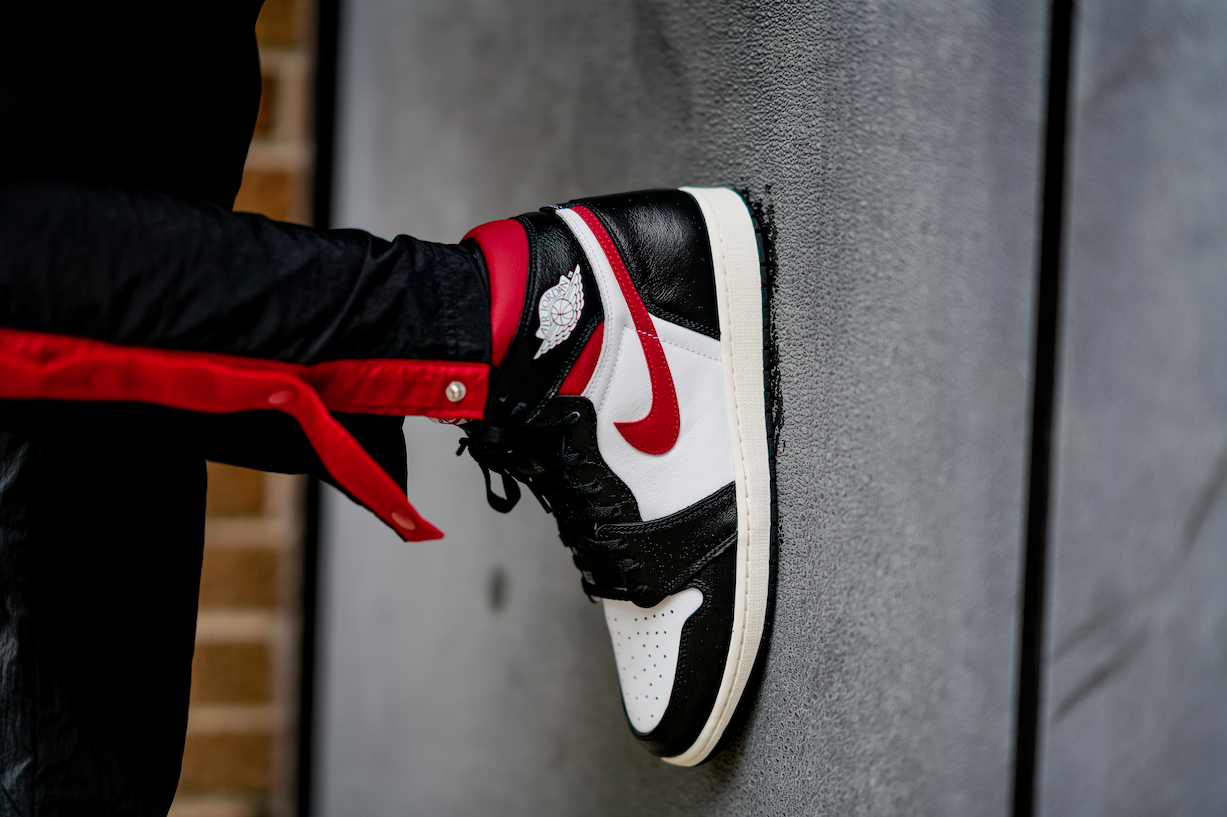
(122, 141)
(101, 535)
(101, 530)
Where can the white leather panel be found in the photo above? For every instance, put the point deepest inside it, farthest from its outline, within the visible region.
(700, 462)
(645, 643)
(617, 314)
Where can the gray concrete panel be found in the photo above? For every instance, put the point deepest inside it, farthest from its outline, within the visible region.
(1135, 716)
(896, 144)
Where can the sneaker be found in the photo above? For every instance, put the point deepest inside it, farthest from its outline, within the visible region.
(630, 397)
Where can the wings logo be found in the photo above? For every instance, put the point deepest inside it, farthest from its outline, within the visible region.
(559, 310)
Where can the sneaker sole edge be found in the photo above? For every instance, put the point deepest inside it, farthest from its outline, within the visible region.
(737, 268)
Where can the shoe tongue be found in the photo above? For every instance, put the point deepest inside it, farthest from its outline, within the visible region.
(560, 310)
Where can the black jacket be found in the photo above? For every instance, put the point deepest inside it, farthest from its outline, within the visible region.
(145, 328)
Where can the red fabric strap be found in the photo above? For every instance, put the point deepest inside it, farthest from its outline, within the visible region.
(37, 365)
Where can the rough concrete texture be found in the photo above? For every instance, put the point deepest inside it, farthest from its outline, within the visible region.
(1136, 700)
(896, 144)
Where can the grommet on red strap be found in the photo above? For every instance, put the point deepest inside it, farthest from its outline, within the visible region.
(280, 397)
(403, 520)
(455, 391)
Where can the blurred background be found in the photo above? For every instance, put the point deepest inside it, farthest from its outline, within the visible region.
(244, 737)
(1000, 237)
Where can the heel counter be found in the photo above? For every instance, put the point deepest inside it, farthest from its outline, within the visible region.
(664, 242)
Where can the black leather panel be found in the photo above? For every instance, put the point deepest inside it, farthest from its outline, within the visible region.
(521, 384)
(593, 493)
(665, 245)
(667, 552)
(701, 657)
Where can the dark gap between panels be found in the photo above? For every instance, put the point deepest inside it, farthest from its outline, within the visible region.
(1030, 665)
(328, 21)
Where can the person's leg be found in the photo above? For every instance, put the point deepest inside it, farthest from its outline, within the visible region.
(101, 530)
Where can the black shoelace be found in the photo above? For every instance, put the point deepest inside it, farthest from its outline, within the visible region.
(543, 459)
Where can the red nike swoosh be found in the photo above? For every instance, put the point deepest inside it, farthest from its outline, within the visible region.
(657, 432)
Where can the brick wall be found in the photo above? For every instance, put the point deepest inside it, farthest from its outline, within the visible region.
(239, 759)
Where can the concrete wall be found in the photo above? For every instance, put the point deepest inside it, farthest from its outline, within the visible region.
(1136, 698)
(896, 144)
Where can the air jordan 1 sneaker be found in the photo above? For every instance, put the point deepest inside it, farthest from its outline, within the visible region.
(630, 396)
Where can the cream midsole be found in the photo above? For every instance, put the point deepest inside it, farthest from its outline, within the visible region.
(738, 281)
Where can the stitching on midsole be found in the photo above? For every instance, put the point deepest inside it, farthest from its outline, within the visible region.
(741, 648)
(741, 452)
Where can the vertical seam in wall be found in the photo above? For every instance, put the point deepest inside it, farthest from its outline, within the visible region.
(1031, 640)
(308, 662)
(327, 43)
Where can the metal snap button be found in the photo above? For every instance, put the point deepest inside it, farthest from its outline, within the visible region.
(455, 391)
